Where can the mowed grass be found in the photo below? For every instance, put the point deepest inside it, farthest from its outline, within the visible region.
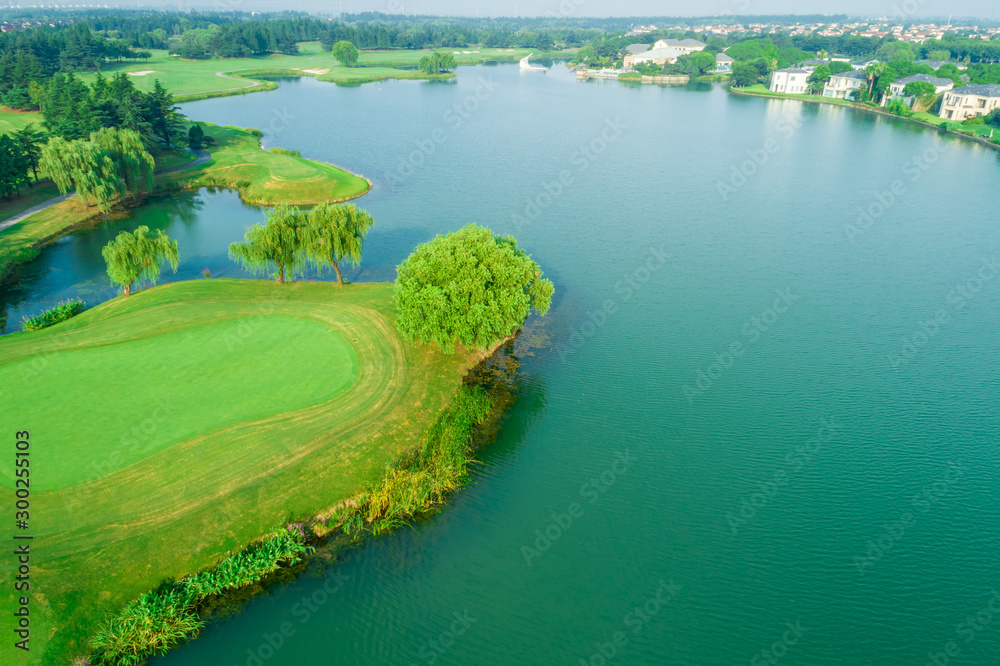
(182, 77)
(13, 121)
(195, 380)
(190, 77)
(108, 538)
(266, 178)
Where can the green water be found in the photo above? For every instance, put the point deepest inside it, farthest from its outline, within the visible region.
(767, 430)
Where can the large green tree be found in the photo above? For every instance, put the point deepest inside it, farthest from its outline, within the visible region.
(84, 166)
(133, 163)
(743, 74)
(436, 63)
(13, 167)
(333, 233)
(112, 163)
(275, 245)
(346, 53)
(137, 257)
(30, 141)
(468, 287)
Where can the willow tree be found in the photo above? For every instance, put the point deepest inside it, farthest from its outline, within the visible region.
(84, 166)
(333, 233)
(345, 52)
(137, 257)
(126, 149)
(275, 245)
(470, 288)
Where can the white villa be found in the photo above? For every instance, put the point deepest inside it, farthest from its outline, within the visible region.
(686, 45)
(659, 56)
(841, 86)
(896, 87)
(791, 80)
(723, 62)
(970, 101)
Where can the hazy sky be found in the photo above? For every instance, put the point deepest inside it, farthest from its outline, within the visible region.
(898, 8)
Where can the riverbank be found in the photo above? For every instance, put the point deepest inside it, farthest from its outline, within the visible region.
(923, 119)
(236, 162)
(171, 494)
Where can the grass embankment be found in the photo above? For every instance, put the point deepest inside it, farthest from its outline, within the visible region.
(237, 162)
(142, 477)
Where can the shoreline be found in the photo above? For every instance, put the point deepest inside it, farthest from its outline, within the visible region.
(478, 402)
(192, 176)
(861, 107)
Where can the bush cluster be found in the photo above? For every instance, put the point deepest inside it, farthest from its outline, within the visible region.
(53, 316)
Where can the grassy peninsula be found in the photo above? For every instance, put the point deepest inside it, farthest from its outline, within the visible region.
(175, 484)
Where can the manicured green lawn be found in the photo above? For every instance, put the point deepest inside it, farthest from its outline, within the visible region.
(223, 458)
(189, 77)
(201, 379)
(12, 121)
(195, 76)
(264, 177)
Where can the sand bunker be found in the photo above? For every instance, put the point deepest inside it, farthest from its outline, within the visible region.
(315, 71)
(142, 73)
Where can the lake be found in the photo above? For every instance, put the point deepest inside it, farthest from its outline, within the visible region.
(766, 430)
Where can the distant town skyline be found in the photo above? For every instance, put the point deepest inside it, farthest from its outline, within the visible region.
(900, 9)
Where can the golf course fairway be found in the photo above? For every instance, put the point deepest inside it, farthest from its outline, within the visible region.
(200, 372)
(214, 410)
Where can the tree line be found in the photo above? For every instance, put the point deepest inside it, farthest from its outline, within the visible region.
(35, 55)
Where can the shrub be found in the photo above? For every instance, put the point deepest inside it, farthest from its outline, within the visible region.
(437, 470)
(53, 316)
(168, 616)
(978, 120)
(282, 151)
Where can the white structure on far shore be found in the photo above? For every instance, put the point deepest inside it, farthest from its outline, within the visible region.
(791, 80)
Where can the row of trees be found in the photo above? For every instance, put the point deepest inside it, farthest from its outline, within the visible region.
(73, 110)
(33, 56)
(290, 239)
(436, 63)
